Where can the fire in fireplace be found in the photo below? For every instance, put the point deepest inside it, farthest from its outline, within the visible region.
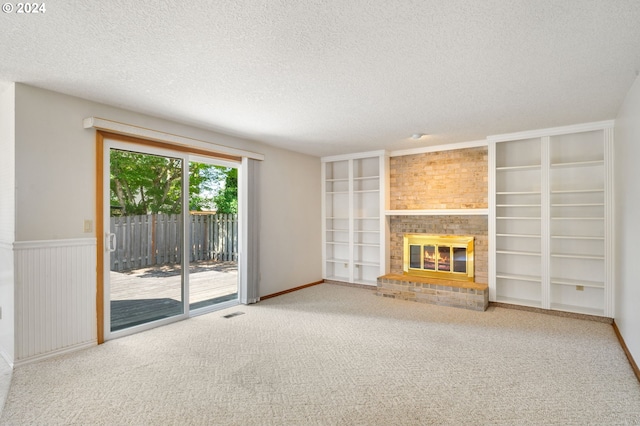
(439, 256)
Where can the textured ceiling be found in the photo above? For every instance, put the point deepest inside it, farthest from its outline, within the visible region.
(333, 76)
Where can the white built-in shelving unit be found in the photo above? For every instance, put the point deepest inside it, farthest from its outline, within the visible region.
(518, 221)
(550, 219)
(355, 239)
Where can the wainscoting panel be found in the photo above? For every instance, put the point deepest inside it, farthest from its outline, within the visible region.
(55, 297)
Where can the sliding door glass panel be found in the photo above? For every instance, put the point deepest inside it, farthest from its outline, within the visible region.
(146, 238)
(213, 234)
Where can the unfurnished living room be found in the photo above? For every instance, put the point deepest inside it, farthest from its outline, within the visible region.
(320, 212)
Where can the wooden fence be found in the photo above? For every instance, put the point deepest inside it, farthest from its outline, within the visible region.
(156, 239)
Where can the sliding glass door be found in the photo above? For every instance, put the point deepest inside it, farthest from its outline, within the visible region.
(146, 238)
(164, 211)
(213, 233)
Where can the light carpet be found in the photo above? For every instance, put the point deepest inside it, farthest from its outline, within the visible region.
(330, 354)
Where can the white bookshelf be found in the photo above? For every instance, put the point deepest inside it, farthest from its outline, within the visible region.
(355, 239)
(517, 222)
(550, 219)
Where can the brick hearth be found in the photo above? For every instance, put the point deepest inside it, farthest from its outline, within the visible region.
(458, 294)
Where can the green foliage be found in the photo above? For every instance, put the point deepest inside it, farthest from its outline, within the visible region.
(227, 199)
(143, 184)
(148, 184)
(204, 181)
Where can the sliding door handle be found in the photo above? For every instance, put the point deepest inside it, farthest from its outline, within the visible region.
(111, 242)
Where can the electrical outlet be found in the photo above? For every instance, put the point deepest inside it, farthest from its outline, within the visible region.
(580, 288)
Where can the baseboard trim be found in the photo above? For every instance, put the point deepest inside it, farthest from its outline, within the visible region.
(291, 290)
(52, 354)
(352, 285)
(634, 366)
(563, 314)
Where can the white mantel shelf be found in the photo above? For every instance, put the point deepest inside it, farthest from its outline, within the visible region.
(438, 212)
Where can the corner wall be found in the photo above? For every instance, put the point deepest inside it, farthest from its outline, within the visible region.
(7, 220)
(627, 202)
(55, 186)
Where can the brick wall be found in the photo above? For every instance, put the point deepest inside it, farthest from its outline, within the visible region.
(442, 225)
(455, 179)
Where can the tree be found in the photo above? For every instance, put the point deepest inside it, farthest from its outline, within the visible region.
(148, 184)
(227, 199)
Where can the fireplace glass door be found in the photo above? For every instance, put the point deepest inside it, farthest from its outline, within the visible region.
(449, 257)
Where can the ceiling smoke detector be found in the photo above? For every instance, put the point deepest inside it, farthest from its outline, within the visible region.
(417, 136)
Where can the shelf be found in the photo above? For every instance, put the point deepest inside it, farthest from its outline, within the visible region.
(577, 309)
(337, 278)
(578, 164)
(529, 278)
(518, 253)
(437, 212)
(333, 260)
(579, 205)
(576, 191)
(577, 237)
(517, 218)
(526, 167)
(577, 218)
(572, 283)
(556, 232)
(353, 247)
(578, 256)
(518, 193)
(521, 302)
(372, 264)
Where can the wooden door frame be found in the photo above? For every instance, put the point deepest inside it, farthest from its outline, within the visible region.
(100, 225)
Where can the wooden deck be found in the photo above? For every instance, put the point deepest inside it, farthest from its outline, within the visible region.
(206, 281)
(152, 293)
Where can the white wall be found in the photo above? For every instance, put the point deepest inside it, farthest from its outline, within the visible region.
(55, 180)
(627, 199)
(7, 219)
(291, 222)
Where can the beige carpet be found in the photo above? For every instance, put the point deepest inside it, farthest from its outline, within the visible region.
(338, 355)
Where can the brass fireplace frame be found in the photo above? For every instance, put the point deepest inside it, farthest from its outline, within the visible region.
(452, 241)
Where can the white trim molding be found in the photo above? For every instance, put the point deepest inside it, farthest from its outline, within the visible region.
(55, 353)
(552, 131)
(438, 212)
(438, 148)
(155, 135)
(353, 156)
(74, 242)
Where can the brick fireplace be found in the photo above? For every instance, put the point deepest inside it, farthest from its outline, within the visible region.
(471, 225)
(431, 184)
